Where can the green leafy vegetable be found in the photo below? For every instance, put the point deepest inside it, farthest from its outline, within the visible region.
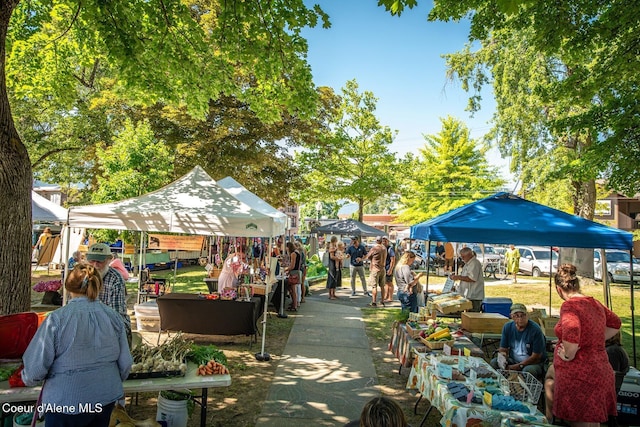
(201, 354)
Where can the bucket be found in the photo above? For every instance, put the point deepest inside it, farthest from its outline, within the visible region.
(173, 412)
(15, 421)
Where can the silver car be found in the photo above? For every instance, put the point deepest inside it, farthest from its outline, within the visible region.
(535, 260)
(617, 266)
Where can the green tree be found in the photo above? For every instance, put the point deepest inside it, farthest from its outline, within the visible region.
(133, 165)
(352, 161)
(169, 51)
(587, 55)
(450, 172)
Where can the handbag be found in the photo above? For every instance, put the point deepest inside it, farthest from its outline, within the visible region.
(293, 279)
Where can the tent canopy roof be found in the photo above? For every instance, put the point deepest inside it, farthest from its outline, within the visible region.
(505, 218)
(45, 210)
(349, 227)
(193, 204)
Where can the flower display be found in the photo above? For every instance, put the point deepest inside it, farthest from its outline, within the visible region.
(48, 286)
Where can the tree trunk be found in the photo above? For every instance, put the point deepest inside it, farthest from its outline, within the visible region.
(584, 201)
(15, 195)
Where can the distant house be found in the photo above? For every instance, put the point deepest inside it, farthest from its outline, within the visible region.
(620, 211)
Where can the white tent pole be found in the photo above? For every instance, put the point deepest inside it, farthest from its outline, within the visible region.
(262, 356)
(66, 258)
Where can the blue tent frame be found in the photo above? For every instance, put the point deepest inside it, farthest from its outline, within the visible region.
(505, 218)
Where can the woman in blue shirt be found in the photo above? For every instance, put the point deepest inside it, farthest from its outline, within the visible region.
(81, 353)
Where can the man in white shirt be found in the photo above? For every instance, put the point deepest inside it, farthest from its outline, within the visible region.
(471, 279)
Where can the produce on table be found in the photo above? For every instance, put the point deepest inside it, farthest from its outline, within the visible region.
(212, 368)
(436, 332)
(201, 354)
(168, 357)
(210, 360)
(5, 373)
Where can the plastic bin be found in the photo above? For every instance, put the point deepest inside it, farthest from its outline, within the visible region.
(497, 305)
(147, 316)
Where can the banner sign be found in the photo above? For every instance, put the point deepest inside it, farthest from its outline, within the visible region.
(175, 242)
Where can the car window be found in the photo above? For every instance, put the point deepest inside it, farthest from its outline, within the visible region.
(489, 250)
(545, 254)
(617, 257)
(596, 256)
(525, 253)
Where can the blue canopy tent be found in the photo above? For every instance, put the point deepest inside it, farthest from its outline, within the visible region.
(505, 218)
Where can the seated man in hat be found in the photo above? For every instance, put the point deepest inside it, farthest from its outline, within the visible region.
(113, 292)
(522, 345)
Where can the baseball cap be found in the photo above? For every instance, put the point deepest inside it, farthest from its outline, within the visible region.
(385, 237)
(379, 239)
(98, 252)
(518, 308)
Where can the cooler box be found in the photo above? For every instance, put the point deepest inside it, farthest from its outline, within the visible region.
(629, 399)
(147, 316)
(497, 305)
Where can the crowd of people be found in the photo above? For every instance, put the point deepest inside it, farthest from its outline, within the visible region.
(86, 336)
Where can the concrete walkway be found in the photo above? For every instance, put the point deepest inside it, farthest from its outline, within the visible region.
(327, 372)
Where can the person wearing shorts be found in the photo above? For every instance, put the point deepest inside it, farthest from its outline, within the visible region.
(377, 255)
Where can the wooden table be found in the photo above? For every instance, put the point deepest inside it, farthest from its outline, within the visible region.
(190, 380)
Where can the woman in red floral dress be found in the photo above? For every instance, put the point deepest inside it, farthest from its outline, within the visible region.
(585, 392)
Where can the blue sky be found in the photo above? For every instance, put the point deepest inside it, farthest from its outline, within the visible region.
(399, 60)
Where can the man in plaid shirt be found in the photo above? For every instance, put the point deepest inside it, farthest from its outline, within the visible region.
(113, 292)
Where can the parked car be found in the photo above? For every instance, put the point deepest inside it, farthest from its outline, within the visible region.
(486, 254)
(617, 266)
(534, 260)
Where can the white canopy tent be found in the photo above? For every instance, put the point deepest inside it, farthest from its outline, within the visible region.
(44, 210)
(193, 204)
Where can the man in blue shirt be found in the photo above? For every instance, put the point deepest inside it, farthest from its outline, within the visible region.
(356, 252)
(522, 344)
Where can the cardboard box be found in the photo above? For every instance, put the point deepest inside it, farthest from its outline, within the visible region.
(547, 324)
(488, 323)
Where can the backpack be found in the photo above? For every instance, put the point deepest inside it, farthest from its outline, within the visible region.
(325, 259)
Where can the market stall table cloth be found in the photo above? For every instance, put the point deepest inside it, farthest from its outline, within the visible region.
(455, 413)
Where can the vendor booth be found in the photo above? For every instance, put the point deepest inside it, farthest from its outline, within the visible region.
(193, 204)
(506, 218)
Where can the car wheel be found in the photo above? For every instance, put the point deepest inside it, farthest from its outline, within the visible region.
(535, 272)
(610, 277)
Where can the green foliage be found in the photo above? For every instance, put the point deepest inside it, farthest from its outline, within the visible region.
(64, 58)
(563, 78)
(201, 354)
(353, 160)
(135, 164)
(450, 172)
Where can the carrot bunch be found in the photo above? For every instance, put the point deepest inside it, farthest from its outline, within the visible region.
(212, 368)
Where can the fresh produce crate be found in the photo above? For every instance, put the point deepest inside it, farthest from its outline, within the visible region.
(523, 386)
(437, 345)
(414, 332)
